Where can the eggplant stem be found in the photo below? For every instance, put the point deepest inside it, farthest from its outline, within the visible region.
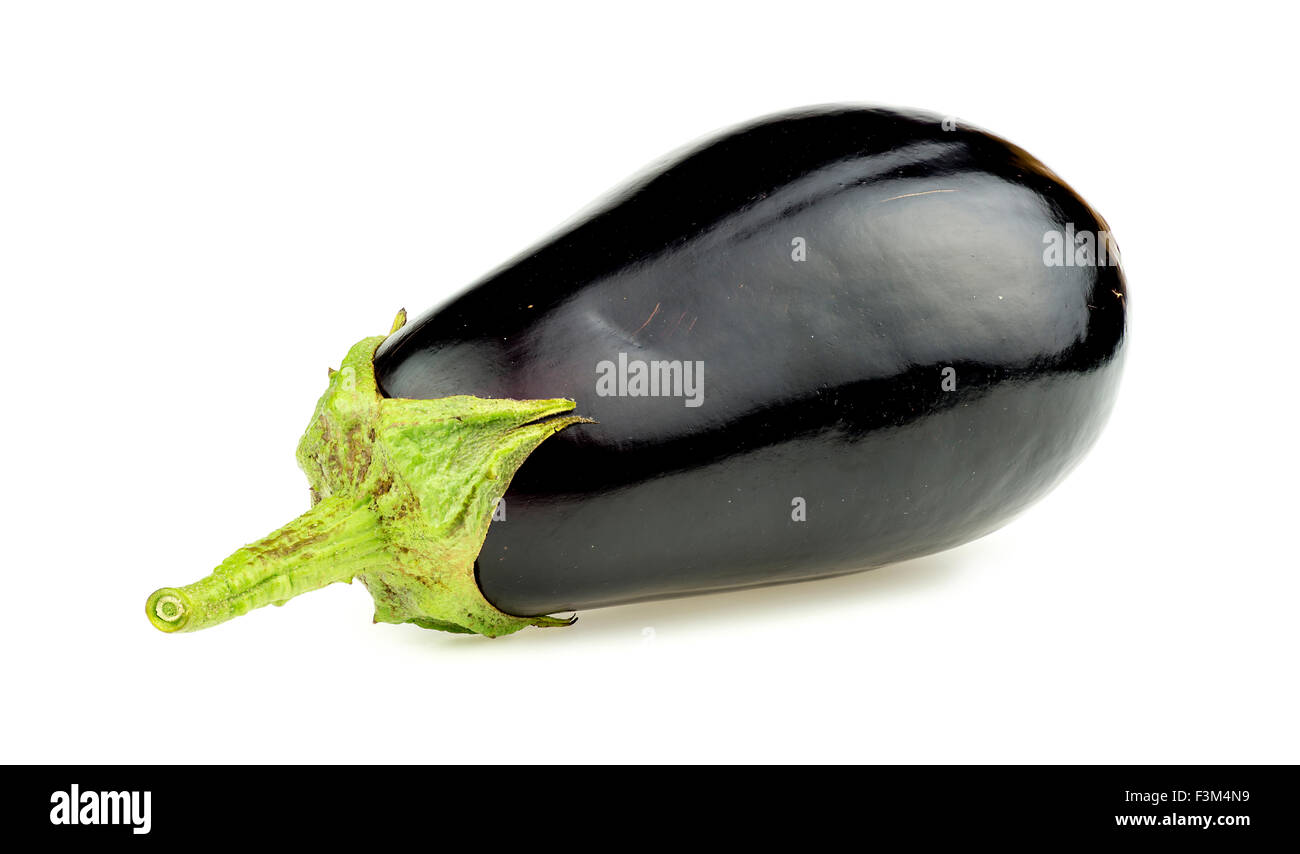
(404, 492)
(331, 542)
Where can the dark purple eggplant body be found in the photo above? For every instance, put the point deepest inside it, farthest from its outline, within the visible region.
(823, 378)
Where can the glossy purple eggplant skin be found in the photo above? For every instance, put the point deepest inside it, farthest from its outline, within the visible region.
(823, 378)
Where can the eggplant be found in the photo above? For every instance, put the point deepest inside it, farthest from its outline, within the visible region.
(813, 344)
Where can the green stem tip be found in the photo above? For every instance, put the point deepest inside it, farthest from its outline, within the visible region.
(403, 494)
(168, 610)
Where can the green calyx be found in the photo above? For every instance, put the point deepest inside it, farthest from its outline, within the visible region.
(403, 492)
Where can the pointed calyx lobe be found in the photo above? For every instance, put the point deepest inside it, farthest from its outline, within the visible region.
(403, 493)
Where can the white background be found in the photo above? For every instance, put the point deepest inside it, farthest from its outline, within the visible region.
(203, 206)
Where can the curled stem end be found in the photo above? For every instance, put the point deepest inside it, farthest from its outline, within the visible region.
(168, 609)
